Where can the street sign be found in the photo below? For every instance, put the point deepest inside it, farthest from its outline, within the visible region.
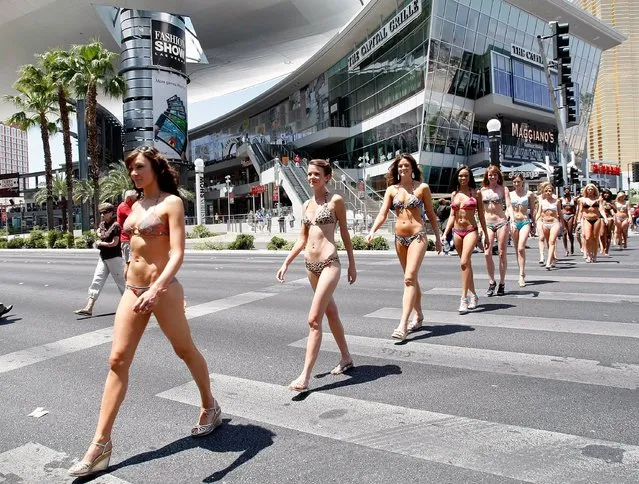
(9, 186)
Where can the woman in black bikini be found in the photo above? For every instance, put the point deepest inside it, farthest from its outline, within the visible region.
(568, 221)
(156, 226)
(465, 201)
(408, 197)
(609, 210)
(590, 213)
(320, 215)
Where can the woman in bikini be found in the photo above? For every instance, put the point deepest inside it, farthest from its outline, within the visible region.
(156, 227)
(568, 208)
(522, 202)
(548, 211)
(320, 215)
(496, 201)
(622, 221)
(609, 211)
(590, 213)
(465, 202)
(408, 197)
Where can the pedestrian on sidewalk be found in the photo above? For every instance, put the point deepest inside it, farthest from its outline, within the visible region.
(343, 178)
(320, 216)
(408, 196)
(156, 227)
(291, 218)
(110, 259)
(5, 309)
(123, 211)
(282, 223)
(269, 222)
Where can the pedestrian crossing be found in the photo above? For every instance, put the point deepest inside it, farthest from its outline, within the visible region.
(453, 439)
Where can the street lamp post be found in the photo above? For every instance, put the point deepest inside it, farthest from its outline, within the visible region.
(199, 195)
(363, 166)
(228, 201)
(494, 139)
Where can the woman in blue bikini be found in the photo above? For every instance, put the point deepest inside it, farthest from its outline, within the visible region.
(409, 198)
(466, 201)
(522, 202)
(320, 216)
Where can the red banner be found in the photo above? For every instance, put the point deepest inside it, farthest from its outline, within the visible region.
(604, 169)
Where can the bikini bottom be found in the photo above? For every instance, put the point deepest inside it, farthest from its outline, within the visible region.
(464, 232)
(550, 225)
(495, 226)
(520, 224)
(568, 216)
(139, 290)
(317, 266)
(592, 222)
(406, 241)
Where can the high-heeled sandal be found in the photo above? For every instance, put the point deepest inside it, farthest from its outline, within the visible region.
(213, 419)
(415, 324)
(99, 464)
(399, 334)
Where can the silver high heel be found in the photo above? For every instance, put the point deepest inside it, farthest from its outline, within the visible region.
(99, 464)
(214, 419)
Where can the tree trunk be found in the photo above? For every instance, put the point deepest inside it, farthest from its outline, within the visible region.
(68, 156)
(92, 142)
(63, 204)
(48, 171)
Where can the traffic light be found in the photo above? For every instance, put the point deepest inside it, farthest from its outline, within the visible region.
(574, 174)
(561, 53)
(560, 40)
(635, 171)
(558, 176)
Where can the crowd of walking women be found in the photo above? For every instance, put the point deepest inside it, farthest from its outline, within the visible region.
(156, 230)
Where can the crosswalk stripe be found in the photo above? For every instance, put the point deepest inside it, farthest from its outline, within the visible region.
(554, 277)
(515, 321)
(524, 293)
(547, 367)
(522, 453)
(36, 463)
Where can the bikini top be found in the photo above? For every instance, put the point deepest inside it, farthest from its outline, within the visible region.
(546, 205)
(150, 226)
(520, 202)
(621, 207)
(470, 202)
(411, 202)
(568, 203)
(590, 203)
(323, 216)
(492, 197)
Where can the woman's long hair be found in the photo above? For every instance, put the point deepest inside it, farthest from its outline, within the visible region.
(166, 175)
(392, 176)
(471, 179)
(490, 169)
(590, 185)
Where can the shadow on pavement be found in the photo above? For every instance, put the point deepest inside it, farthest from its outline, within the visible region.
(357, 375)
(5, 320)
(483, 308)
(437, 330)
(248, 439)
(94, 316)
(538, 282)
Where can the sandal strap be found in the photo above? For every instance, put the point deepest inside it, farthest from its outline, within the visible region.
(102, 445)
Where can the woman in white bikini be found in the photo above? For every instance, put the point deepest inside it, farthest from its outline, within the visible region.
(548, 212)
(568, 209)
(622, 221)
(320, 216)
(522, 202)
(496, 211)
(156, 227)
(409, 197)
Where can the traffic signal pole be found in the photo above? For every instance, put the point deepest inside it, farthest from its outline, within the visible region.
(561, 127)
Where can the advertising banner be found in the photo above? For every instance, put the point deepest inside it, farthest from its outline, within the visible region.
(169, 112)
(168, 46)
(9, 186)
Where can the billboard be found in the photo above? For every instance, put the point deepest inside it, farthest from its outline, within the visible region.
(169, 112)
(9, 186)
(168, 46)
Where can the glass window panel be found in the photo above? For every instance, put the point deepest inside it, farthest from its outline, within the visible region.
(451, 11)
(469, 42)
(447, 32)
(518, 68)
(537, 94)
(462, 15)
(494, 12)
(513, 19)
(439, 7)
(536, 75)
(510, 35)
(520, 87)
(492, 28)
(483, 24)
(504, 12)
(459, 35)
(486, 6)
(500, 35)
(473, 19)
(481, 44)
(527, 71)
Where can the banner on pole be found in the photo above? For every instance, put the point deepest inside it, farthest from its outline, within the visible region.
(169, 112)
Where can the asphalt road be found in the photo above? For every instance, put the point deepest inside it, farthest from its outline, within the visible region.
(539, 385)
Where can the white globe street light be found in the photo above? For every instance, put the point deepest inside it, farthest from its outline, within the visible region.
(494, 141)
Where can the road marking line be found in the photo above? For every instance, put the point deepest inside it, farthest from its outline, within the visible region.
(547, 367)
(37, 354)
(553, 277)
(555, 325)
(522, 453)
(36, 463)
(523, 293)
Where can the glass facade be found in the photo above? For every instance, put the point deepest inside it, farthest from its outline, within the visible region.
(453, 54)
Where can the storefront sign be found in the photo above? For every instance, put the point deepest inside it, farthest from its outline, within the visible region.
(530, 56)
(528, 175)
(528, 134)
(169, 46)
(409, 13)
(9, 186)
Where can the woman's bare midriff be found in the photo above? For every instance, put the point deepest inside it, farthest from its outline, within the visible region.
(409, 222)
(149, 256)
(549, 216)
(321, 243)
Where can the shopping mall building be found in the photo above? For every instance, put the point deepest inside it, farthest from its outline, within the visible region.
(416, 76)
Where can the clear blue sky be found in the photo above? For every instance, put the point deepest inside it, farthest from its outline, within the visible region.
(199, 113)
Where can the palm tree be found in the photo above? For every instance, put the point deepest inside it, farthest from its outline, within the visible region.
(93, 70)
(59, 190)
(36, 101)
(82, 191)
(57, 64)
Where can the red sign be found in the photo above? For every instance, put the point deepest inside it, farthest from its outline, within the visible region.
(276, 193)
(604, 169)
(257, 189)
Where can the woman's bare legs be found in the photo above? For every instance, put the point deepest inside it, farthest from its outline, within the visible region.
(542, 241)
(169, 311)
(624, 233)
(323, 285)
(591, 239)
(490, 264)
(551, 235)
(502, 246)
(520, 237)
(411, 258)
(464, 247)
(127, 332)
(337, 329)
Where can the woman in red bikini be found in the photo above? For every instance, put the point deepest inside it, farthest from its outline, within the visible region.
(320, 216)
(156, 227)
(466, 200)
(409, 197)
